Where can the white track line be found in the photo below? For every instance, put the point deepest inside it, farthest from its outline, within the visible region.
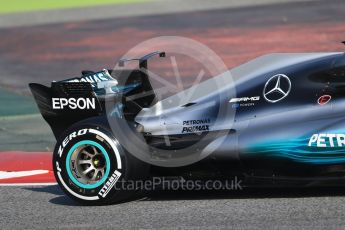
(26, 184)
(9, 175)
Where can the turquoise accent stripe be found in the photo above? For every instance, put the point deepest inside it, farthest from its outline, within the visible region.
(107, 160)
(299, 151)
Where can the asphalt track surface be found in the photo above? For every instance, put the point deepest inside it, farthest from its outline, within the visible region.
(55, 52)
(48, 208)
(52, 52)
(144, 8)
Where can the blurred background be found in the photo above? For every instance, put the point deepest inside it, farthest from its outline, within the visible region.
(46, 40)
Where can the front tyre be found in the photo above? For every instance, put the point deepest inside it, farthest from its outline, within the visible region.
(90, 166)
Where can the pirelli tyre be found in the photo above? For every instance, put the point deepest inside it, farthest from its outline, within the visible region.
(92, 167)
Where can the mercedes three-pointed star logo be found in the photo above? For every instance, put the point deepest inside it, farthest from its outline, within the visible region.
(277, 88)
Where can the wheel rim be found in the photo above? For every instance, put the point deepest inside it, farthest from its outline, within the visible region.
(88, 164)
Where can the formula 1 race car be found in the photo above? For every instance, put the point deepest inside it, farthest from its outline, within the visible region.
(277, 120)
